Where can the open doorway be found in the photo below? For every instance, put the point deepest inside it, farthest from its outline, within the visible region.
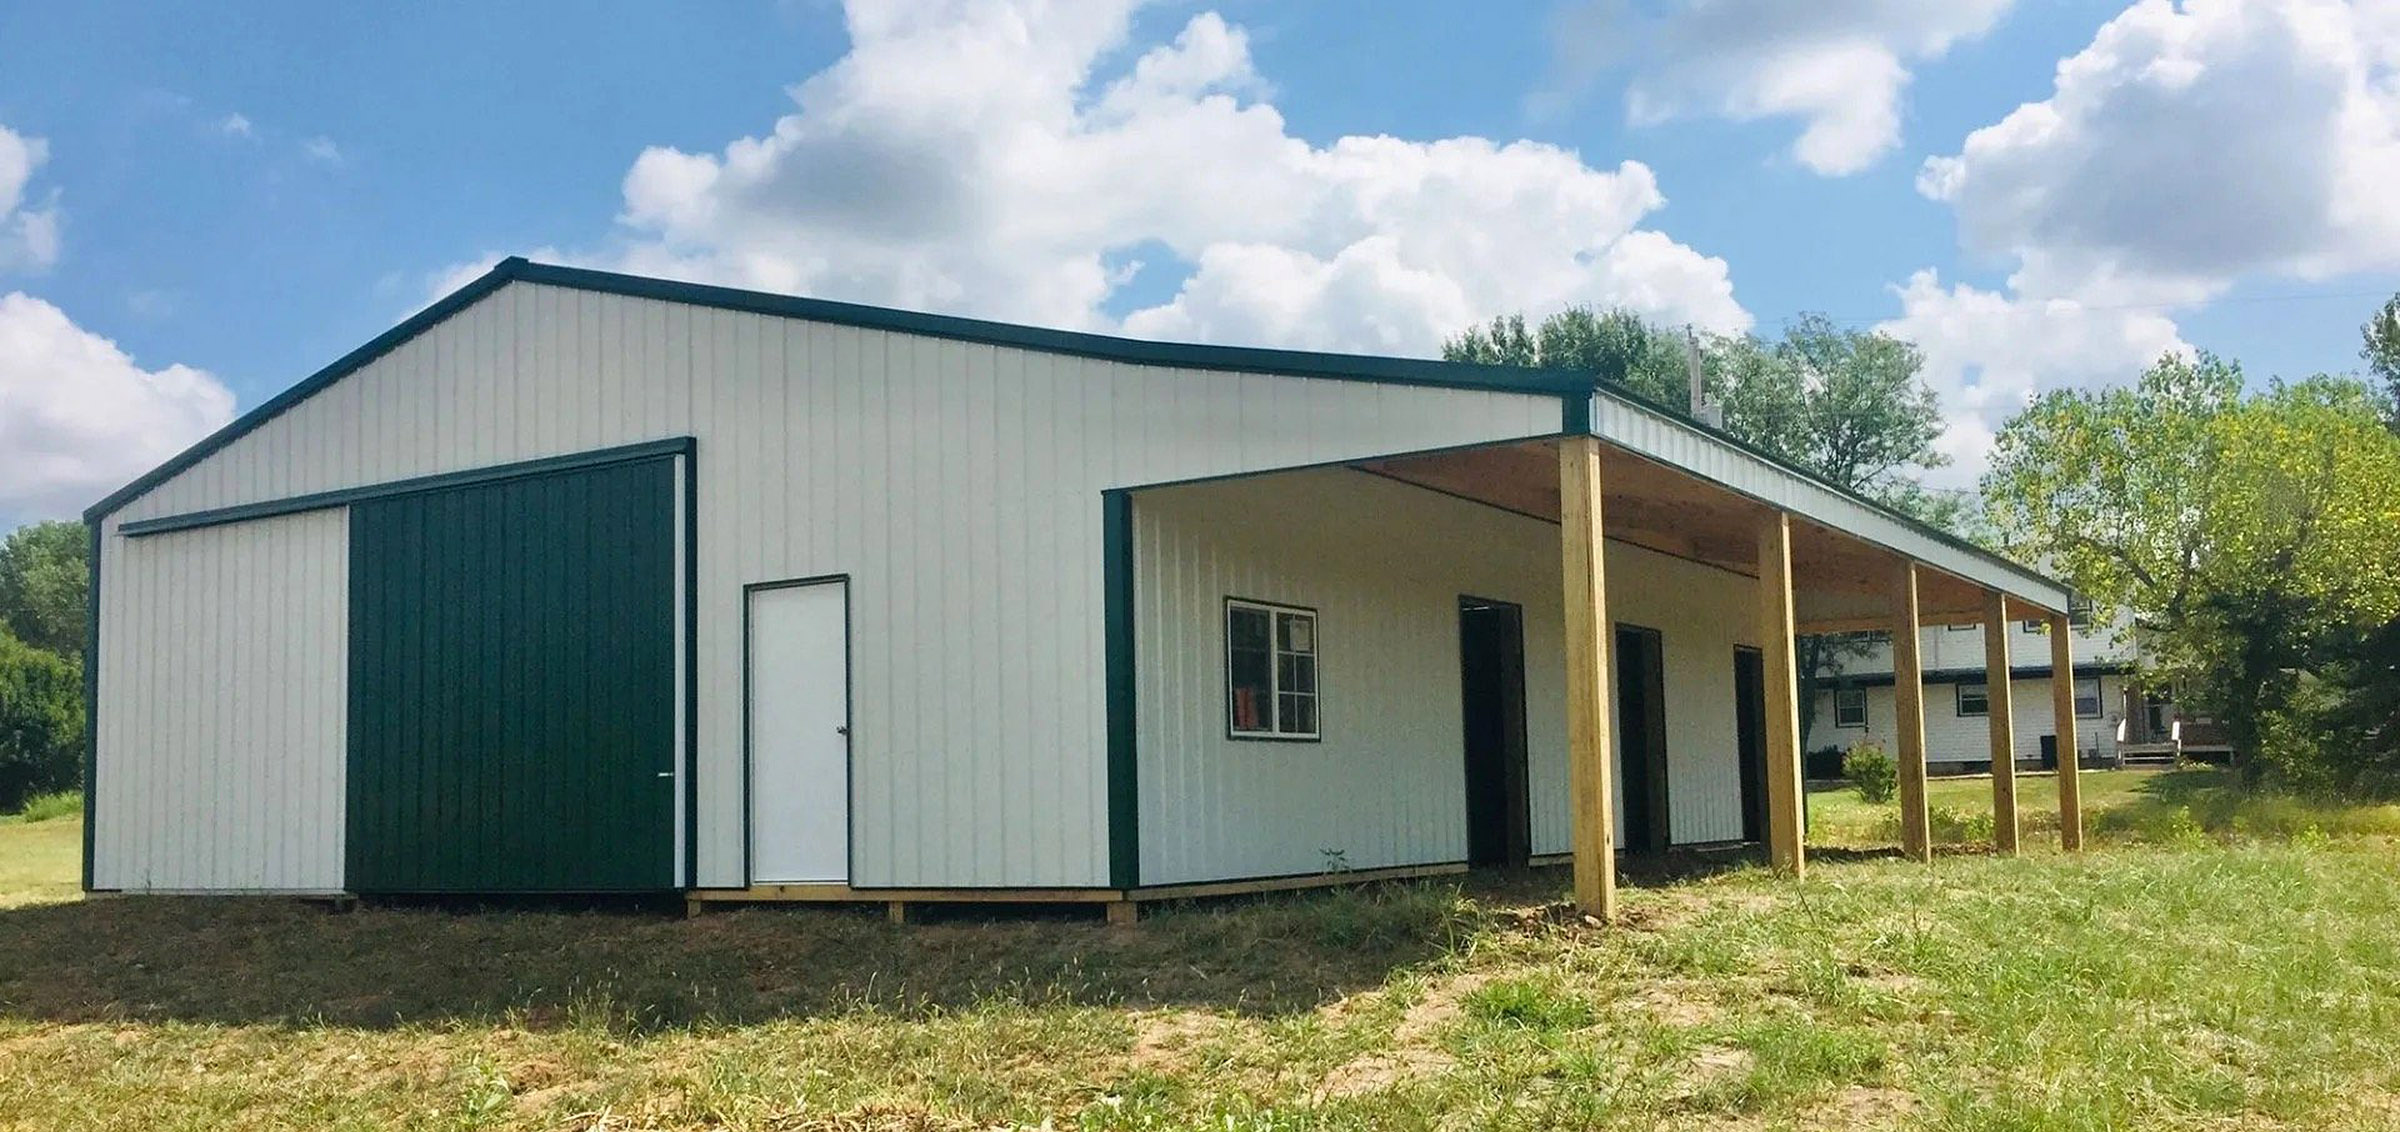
(1491, 677)
(1642, 737)
(1750, 731)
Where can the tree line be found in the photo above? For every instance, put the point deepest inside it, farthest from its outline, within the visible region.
(2247, 533)
(44, 586)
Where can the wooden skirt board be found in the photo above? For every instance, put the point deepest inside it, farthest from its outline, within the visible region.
(512, 686)
(798, 685)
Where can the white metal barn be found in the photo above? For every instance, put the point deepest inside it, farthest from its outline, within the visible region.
(587, 582)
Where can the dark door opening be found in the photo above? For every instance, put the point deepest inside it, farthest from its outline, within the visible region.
(1491, 677)
(1750, 730)
(1642, 738)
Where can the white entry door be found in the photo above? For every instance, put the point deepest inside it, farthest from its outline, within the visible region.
(799, 733)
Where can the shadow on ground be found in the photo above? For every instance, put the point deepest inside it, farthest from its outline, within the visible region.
(642, 967)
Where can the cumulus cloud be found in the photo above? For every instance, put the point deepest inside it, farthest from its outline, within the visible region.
(236, 125)
(2187, 147)
(1840, 67)
(79, 418)
(1025, 161)
(28, 234)
(1988, 354)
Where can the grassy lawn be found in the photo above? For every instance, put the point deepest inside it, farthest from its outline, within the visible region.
(2205, 982)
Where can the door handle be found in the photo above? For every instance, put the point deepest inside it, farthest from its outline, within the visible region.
(843, 731)
(666, 774)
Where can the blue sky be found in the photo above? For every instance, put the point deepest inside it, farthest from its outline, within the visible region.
(234, 196)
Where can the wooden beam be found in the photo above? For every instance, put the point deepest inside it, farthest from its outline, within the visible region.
(1908, 700)
(2062, 712)
(2001, 720)
(1784, 799)
(1590, 761)
(1879, 622)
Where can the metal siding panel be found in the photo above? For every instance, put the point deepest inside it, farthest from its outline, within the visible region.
(840, 469)
(192, 796)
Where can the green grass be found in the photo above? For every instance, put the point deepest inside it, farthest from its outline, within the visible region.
(2137, 805)
(2216, 980)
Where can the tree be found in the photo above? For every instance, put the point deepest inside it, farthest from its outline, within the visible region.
(45, 581)
(1616, 344)
(41, 722)
(2250, 538)
(2382, 354)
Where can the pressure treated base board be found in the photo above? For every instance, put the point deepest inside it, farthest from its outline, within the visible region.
(1121, 905)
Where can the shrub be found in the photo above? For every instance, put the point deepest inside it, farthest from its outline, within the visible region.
(46, 807)
(1871, 770)
(41, 723)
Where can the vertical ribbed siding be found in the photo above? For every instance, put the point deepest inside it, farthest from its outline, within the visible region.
(958, 483)
(222, 673)
(512, 685)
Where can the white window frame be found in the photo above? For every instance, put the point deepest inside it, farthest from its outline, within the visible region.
(1275, 654)
(1841, 699)
(1960, 691)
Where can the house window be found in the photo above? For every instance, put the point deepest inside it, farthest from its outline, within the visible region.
(1270, 671)
(2087, 697)
(2036, 625)
(1850, 707)
(1974, 699)
(1956, 628)
(2079, 612)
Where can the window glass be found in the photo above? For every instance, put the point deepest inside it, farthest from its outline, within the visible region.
(2087, 697)
(1850, 707)
(1270, 671)
(1973, 699)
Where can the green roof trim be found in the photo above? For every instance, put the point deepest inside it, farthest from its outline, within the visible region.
(1244, 359)
(1574, 388)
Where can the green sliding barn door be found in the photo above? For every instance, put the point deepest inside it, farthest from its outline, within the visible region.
(512, 685)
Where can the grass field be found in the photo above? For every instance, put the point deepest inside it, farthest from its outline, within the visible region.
(2211, 981)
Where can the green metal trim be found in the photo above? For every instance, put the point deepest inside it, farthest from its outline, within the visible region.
(343, 497)
(1124, 800)
(691, 672)
(275, 406)
(1298, 363)
(1575, 413)
(91, 706)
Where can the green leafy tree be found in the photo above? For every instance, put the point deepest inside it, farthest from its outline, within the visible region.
(45, 580)
(41, 722)
(2381, 352)
(2250, 538)
(1618, 345)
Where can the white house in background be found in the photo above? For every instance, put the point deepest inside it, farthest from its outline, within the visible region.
(588, 582)
(2117, 720)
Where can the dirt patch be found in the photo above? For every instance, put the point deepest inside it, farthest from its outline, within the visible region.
(1674, 1002)
(1412, 1054)
(1164, 1042)
(1866, 1106)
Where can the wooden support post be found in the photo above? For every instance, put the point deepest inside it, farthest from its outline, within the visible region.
(1591, 762)
(2062, 712)
(1908, 701)
(1785, 823)
(896, 911)
(1123, 913)
(2002, 721)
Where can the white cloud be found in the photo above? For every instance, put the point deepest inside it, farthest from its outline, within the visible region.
(236, 126)
(998, 160)
(1988, 354)
(1838, 66)
(79, 418)
(321, 149)
(28, 234)
(2187, 147)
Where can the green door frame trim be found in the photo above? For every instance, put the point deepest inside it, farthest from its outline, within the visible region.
(343, 497)
(1124, 799)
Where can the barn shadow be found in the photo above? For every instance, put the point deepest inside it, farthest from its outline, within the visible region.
(640, 967)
